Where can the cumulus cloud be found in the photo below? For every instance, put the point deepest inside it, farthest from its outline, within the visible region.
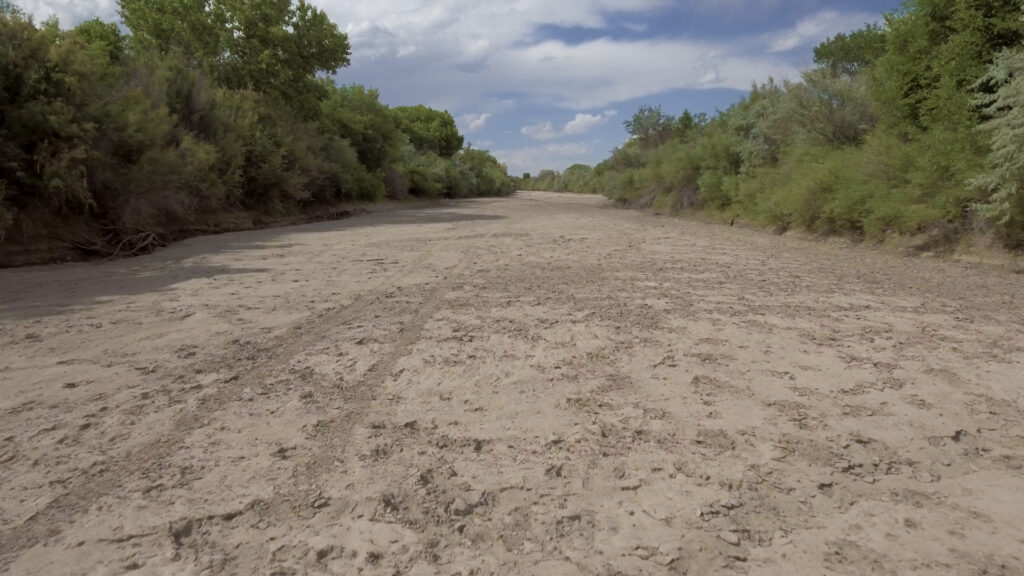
(455, 54)
(542, 131)
(494, 47)
(557, 156)
(69, 12)
(817, 27)
(474, 122)
(581, 124)
(587, 75)
(467, 31)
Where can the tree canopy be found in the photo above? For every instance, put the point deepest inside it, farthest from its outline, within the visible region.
(429, 129)
(650, 126)
(276, 47)
(203, 109)
(848, 54)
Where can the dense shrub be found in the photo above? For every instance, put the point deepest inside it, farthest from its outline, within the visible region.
(185, 117)
(899, 129)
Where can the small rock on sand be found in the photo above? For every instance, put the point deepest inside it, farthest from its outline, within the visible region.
(729, 538)
(461, 508)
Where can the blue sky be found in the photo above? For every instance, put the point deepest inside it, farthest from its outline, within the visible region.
(547, 83)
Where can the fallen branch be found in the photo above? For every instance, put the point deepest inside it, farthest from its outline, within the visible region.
(117, 243)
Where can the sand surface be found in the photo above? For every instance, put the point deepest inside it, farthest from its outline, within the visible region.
(533, 385)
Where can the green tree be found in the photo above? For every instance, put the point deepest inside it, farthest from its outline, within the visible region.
(487, 176)
(762, 124)
(103, 36)
(429, 129)
(689, 125)
(936, 51)
(1003, 182)
(575, 178)
(48, 83)
(831, 108)
(356, 113)
(650, 126)
(276, 47)
(848, 54)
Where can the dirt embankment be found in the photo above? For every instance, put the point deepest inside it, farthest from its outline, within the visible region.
(534, 385)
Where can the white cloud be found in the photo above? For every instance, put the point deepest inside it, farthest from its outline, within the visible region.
(542, 131)
(466, 31)
(817, 27)
(457, 54)
(475, 122)
(452, 52)
(492, 47)
(555, 156)
(583, 123)
(587, 75)
(69, 12)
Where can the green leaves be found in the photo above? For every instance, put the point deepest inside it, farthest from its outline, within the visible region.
(274, 47)
(936, 51)
(880, 138)
(355, 113)
(210, 107)
(849, 54)
(429, 129)
(1003, 182)
(650, 126)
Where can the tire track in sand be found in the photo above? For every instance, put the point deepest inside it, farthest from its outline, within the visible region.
(112, 475)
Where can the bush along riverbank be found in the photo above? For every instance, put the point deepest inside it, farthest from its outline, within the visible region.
(202, 116)
(915, 126)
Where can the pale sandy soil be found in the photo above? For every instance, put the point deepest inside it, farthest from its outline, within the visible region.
(535, 385)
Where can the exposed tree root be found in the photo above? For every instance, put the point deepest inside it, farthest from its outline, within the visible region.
(117, 243)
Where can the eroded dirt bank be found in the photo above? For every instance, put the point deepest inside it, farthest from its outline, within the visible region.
(534, 385)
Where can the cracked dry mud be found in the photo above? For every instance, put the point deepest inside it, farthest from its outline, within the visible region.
(533, 385)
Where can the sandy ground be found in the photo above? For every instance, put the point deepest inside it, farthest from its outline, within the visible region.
(535, 385)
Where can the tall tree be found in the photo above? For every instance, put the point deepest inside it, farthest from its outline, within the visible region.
(1004, 179)
(356, 113)
(650, 126)
(277, 47)
(936, 50)
(429, 129)
(848, 54)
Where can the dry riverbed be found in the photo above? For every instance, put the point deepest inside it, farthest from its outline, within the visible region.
(533, 385)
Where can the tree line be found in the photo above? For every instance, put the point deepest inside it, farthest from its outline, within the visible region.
(204, 108)
(912, 125)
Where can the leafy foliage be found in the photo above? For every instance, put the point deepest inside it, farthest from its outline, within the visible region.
(848, 54)
(881, 137)
(275, 47)
(429, 130)
(650, 126)
(1003, 182)
(207, 108)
